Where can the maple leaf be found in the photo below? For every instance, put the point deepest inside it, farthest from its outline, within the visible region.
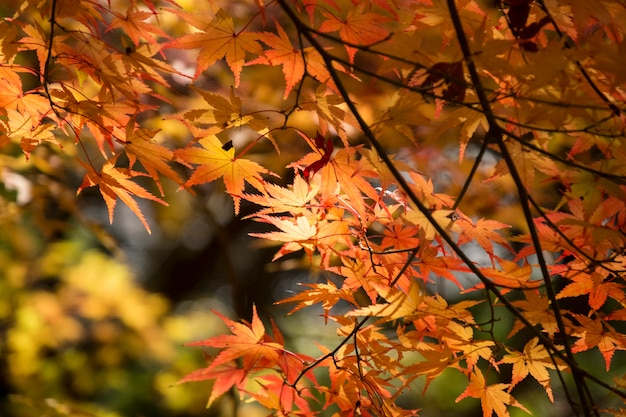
(214, 162)
(595, 332)
(218, 39)
(248, 342)
(399, 305)
(357, 28)
(484, 232)
(225, 375)
(359, 274)
(297, 233)
(436, 360)
(114, 183)
(493, 398)
(404, 114)
(449, 74)
(509, 276)
(223, 113)
(536, 308)
(285, 54)
(527, 164)
(594, 284)
(342, 170)
(8, 45)
(327, 108)
(438, 307)
(346, 390)
(30, 132)
(534, 360)
(443, 217)
(141, 62)
(425, 190)
(278, 199)
(461, 339)
(389, 5)
(153, 157)
(400, 236)
(107, 68)
(439, 265)
(286, 399)
(134, 25)
(13, 97)
(316, 68)
(326, 147)
(325, 293)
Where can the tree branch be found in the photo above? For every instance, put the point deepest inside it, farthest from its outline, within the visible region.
(495, 134)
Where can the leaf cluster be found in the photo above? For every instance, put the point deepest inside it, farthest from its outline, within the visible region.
(527, 215)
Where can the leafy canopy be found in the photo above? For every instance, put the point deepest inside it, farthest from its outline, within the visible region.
(418, 147)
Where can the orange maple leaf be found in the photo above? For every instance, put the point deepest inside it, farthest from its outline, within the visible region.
(248, 342)
(216, 162)
(460, 338)
(224, 113)
(115, 183)
(297, 233)
(226, 376)
(594, 284)
(285, 54)
(29, 131)
(257, 351)
(358, 274)
(153, 157)
(328, 109)
(509, 276)
(343, 170)
(325, 293)
(537, 310)
(399, 305)
(277, 199)
(436, 359)
(286, 399)
(134, 25)
(484, 232)
(218, 39)
(13, 96)
(534, 360)
(492, 397)
(595, 332)
(357, 28)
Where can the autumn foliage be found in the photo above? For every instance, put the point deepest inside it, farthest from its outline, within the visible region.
(442, 166)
